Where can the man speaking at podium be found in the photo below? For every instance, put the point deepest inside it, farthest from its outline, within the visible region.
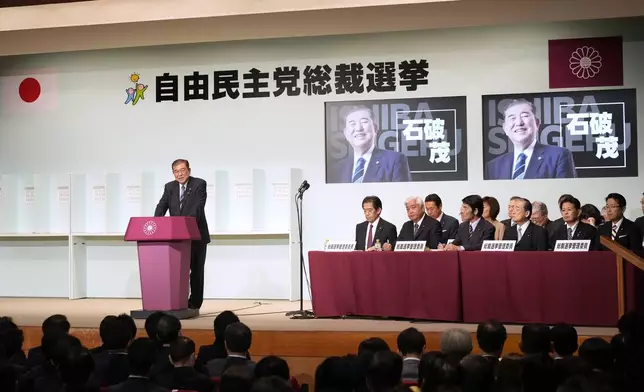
(186, 196)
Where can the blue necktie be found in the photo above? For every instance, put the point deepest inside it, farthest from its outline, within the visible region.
(359, 172)
(181, 195)
(519, 168)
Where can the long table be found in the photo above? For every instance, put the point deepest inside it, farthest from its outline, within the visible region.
(579, 288)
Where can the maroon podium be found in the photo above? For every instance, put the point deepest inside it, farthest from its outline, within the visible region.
(163, 245)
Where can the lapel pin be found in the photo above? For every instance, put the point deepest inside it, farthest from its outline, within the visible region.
(377, 162)
(539, 158)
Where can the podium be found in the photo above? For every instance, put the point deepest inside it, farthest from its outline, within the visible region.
(163, 245)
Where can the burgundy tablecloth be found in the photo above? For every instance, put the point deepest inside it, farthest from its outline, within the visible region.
(545, 287)
(416, 285)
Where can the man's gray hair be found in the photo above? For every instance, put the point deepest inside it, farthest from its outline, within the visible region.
(456, 342)
(416, 199)
(541, 207)
(520, 101)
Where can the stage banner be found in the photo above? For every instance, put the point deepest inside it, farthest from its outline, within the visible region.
(396, 140)
(564, 134)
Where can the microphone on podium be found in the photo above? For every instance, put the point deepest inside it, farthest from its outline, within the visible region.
(305, 185)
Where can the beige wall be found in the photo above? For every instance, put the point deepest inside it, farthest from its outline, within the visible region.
(105, 24)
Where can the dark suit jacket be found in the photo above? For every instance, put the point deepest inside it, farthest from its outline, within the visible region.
(534, 238)
(136, 384)
(216, 367)
(507, 223)
(209, 352)
(384, 232)
(35, 357)
(384, 166)
(628, 234)
(110, 368)
(584, 231)
(545, 162)
(449, 226)
(185, 378)
(484, 231)
(429, 230)
(194, 201)
(640, 224)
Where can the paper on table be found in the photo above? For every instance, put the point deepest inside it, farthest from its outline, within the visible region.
(243, 191)
(63, 194)
(280, 191)
(99, 193)
(30, 194)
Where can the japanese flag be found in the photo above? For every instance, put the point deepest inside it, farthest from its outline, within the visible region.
(29, 92)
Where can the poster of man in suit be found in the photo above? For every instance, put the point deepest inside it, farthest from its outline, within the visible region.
(396, 140)
(566, 134)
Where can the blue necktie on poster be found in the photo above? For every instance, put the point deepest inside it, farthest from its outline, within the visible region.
(519, 168)
(358, 174)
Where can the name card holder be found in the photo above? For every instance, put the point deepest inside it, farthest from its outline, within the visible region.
(410, 246)
(498, 246)
(340, 246)
(572, 246)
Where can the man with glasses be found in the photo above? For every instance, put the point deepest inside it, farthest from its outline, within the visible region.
(618, 228)
(186, 196)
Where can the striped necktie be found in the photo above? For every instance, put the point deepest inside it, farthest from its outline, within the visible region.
(569, 234)
(471, 230)
(358, 173)
(519, 168)
(181, 195)
(614, 232)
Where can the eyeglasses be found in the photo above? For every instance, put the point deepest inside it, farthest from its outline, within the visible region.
(180, 171)
(613, 207)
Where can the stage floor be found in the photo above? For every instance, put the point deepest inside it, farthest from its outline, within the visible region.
(266, 315)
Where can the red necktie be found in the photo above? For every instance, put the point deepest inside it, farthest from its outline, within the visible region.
(370, 237)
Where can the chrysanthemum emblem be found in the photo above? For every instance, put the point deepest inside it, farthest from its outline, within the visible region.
(585, 62)
(149, 228)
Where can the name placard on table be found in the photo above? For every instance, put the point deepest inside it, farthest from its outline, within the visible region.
(340, 246)
(572, 246)
(498, 246)
(410, 246)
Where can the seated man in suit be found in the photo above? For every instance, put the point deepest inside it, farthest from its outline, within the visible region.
(141, 355)
(618, 228)
(374, 228)
(559, 221)
(527, 235)
(434, 208)
(411, 344)
(529, 158)
(573, 228)
(420, 227)
(640, 221)
(365, 161)
(183, 375)
(474, 229)
(238, 339)
(491, 336)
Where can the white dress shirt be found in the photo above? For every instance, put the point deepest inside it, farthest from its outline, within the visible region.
(523, 227)
(373, 233)
(573, 227)
(367, 157)
(528, 154)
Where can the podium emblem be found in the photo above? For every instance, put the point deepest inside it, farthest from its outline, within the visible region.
(149, 228)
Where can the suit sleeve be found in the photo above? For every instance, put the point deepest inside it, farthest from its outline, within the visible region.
(163, 205)
(566, 165)
(401, 169)
(392, 235)
(358, 238)
(457, 238)
(402, 231)
(488, 235)
(506, 235)
(452, 230)
(635, 239)
(542, 239)
(200, 196)
(595, 243)
(435, 236)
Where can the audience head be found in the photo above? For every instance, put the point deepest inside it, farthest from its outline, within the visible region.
(436, 369)
(564, 339)
(491, 336)
(222, 321)
(371, 346)
(238, 338)
(76, 367)
(539, 213)
(271, 384)
(535, 339)
(615, 206)
(151, 324)
(415, 208)
(456, 343)
(384, 371)
(372, 208)
(588, 213)
(115, 333)
(141, 355)
(411, 342)
(569, 208)
(335, 374)
(272, 366)
(236, 378)
(631, 327)
(491, 208)
(522, 210)
(433, 205)
(472, 208)
(128, 322)
(597, 353)
(168, 329)
(11, 338)
(478, 374)
(55, 324)
(182, 352)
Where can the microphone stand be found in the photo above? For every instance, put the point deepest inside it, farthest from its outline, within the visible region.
(300, 314)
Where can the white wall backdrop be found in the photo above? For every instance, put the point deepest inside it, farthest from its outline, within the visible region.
(91, 130)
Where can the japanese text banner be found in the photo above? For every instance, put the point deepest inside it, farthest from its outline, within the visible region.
(396, 140)
(565, 134)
